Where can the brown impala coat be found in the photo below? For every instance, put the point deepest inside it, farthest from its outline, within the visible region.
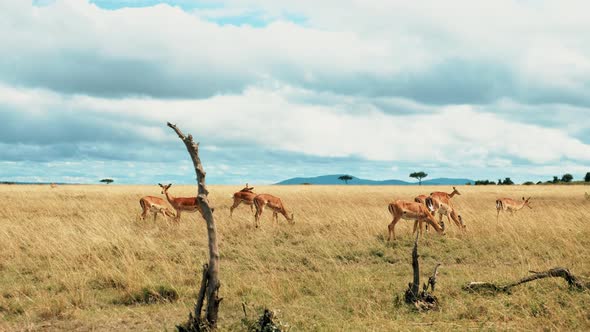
(246, 196)
(154, 205)
(511, 205)
(189, 204)
(274, 203)
(418, 212)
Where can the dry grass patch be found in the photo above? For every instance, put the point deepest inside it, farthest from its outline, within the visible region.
(78, 258)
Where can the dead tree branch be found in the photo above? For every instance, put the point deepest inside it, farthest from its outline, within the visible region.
(421, 300)
(557, 272)
(211, 271)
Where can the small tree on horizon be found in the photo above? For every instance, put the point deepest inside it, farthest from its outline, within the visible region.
(508, 181)
(107, 181)
(418, 175)
(587, 177)
(345, 178)
(555, 179)
(567, 177)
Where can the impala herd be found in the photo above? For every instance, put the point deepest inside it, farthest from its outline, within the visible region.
(422, 210)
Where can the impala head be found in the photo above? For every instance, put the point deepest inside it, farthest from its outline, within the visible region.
(527, 203)
(247, 189)
(455, 192)
(165, 187)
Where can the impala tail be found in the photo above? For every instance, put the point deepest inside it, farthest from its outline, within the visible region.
(499, 204)
(430, 204)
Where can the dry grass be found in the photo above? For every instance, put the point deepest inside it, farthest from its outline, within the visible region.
(77, 258)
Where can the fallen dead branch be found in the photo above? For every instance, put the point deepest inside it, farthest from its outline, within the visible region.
(557, 272)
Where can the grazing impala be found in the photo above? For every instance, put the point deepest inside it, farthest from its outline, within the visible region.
(274, 203)
(508, 204)
(411, 211)
(189, 204)
(444, 209)
(155, 205)
(435, 206)
(246, 196)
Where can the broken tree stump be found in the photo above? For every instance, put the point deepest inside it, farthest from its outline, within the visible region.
(422, 300)
(556, 272)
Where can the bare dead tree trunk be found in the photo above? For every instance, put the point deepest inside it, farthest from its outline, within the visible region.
(210, 283)
(421, 300)
(556, 272)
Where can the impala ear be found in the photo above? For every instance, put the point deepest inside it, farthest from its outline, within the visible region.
(169, 185)
(159, 184)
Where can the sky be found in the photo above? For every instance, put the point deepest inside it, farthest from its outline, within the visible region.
(274, 89)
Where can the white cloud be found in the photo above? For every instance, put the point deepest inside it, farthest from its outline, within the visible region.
(455, 135)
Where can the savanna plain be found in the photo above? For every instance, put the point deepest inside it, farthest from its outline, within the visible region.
(77, 257)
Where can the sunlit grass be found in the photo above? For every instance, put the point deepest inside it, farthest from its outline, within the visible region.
(77, 257)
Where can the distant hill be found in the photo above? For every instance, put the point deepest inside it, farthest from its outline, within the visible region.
(333, 180)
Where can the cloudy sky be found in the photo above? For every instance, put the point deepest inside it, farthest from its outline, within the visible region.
(275, 89)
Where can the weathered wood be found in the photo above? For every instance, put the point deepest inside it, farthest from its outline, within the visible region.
(421, 300)
(212, 272)
(556, 272)
(432, 279)
(201, 296)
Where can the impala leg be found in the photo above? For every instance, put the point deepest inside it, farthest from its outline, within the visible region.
(258, 214)
(177, 219)
(391, 228)
(155, 215)
(275, 217)
(251, 207)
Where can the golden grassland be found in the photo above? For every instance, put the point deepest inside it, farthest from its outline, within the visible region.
(78, 258)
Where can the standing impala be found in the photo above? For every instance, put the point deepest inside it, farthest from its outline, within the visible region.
(274, 203)
(246, 196)
(189, 204)
(443, 196)
(155, 205)
(508, 204)
(418, 212)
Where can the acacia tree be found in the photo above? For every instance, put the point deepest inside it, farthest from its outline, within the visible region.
(587, 177)
(418, 175)
(345, 178)
(107, 181)
(210, 281)
(567, 178)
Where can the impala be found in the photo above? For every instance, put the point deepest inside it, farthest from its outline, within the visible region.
(274, 203)
(418, 212)
(189, 204)
(246, 196)
(443, 196)
(435, 206)
(154, 205)
(508, 204)
(444, 209)
(53, 185)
